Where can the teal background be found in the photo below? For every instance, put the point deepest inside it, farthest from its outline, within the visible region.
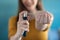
(9, 8)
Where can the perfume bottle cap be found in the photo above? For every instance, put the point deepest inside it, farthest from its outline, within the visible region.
(25, 14)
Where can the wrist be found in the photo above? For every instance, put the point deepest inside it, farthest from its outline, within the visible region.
(14, 37)
(20, 32)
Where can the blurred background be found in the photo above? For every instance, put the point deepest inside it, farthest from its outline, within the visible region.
(9, 8)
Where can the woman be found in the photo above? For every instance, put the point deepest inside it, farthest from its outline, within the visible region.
(37, 24)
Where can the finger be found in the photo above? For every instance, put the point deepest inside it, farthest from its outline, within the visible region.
(21, 15)
(28, 17)
(25, 27)
(41, 18)
(25, 22)
(45, 18)
(48, 18)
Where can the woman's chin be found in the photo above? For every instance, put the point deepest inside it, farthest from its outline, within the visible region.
(29, 8)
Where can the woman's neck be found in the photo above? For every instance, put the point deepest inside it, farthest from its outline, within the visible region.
(32, 13)
(33, 10)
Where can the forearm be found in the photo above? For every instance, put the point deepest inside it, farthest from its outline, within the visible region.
(17, 36)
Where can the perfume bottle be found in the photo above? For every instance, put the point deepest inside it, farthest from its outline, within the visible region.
(25, 18)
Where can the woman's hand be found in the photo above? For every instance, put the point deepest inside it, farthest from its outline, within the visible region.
(22, 25)
(42, 20)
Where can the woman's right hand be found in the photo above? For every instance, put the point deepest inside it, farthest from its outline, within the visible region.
(22, 25)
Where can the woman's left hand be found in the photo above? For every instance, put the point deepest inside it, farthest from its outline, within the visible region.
(42, 19)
